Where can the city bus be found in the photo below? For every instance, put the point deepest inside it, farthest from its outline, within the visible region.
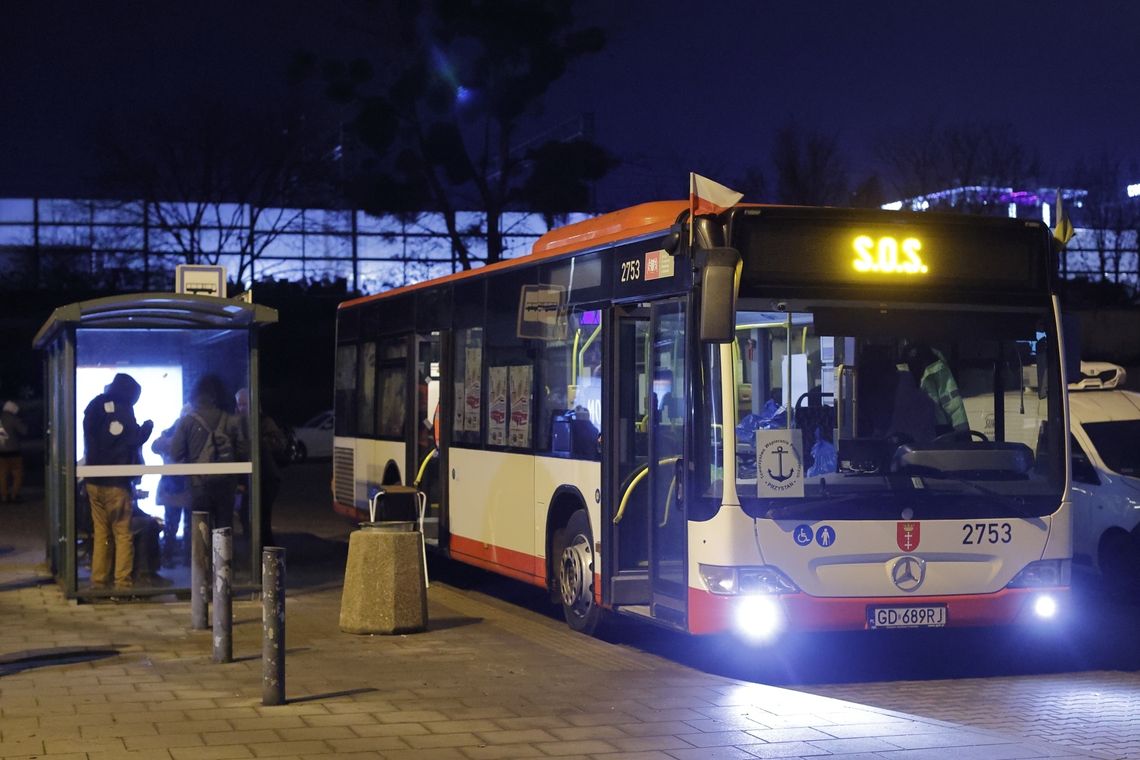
(760, 420)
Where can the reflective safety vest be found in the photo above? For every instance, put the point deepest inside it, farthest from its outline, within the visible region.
(940, 385)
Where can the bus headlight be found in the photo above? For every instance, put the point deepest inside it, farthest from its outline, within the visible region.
(759, 618)
(761, 579)
(1043, 573)
(1045, 607)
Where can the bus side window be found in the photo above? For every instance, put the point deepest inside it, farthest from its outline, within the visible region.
(569, 391)
(467, 422)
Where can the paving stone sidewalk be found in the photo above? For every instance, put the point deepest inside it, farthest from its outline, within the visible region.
(488, 680)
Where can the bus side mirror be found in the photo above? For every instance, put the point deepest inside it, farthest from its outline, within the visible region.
(718, 268)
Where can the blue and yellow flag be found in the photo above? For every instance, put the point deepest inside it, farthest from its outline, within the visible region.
(1063, 228)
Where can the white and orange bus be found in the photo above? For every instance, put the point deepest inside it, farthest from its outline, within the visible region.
(803, 419)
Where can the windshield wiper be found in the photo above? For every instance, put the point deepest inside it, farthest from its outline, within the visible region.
(1014, 502)
(800, 506)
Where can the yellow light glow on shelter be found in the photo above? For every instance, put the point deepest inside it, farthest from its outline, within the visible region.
(886, 255)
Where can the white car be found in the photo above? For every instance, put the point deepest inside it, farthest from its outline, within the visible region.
(314, 439)
(1105, 427)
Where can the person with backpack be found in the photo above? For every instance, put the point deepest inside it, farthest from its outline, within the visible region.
(208, 434)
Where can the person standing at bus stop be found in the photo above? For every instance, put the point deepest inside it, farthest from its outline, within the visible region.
(111, 436)
(209, 434)
(271, 448)
(12, 431)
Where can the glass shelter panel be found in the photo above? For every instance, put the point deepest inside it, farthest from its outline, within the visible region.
(152, 400)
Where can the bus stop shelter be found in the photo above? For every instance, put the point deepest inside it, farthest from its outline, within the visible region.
(168, 344)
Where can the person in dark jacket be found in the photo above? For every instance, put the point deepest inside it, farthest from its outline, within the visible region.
(111, 436)
(193, 435)
(174, 496)
(271, 450)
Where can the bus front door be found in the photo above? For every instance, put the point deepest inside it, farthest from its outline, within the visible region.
(646, 462)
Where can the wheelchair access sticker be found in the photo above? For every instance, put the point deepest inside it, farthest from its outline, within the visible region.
(824, 535)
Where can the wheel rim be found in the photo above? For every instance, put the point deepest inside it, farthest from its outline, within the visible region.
(577, 576)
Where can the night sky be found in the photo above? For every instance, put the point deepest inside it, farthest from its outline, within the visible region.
(1064, 75)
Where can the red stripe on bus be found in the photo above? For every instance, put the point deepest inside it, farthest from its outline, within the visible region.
(712, 613)
(517, 565)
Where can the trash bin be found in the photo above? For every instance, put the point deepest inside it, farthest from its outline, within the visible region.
(385, 586)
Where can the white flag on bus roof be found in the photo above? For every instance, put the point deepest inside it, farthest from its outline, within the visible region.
(709, 197)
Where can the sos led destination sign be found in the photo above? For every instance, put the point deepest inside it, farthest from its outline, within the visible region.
(841, 247)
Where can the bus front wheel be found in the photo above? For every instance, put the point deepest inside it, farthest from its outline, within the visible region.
(576, 567)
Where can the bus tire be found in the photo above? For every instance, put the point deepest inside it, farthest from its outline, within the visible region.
(576, 567)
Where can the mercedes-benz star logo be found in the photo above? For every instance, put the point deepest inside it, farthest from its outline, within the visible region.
(908, 573)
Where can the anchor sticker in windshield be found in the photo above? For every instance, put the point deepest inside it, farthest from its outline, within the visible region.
(779, 468)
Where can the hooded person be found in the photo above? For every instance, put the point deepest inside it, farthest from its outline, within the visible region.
(111, 436)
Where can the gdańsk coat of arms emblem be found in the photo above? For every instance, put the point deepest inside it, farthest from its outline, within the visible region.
(907, 535)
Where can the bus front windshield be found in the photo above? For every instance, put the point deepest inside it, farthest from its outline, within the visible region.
(894, 413)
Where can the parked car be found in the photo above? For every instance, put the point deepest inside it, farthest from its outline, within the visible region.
(1105, 428)
(313, 439)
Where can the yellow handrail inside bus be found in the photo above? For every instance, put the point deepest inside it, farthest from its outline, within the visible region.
(574, 364)
(641, 473)
(423, 467)
(628, 491)
(581, 354)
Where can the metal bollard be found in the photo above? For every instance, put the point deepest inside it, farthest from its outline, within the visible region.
(223, 599)
(199, 569)
(273, 626)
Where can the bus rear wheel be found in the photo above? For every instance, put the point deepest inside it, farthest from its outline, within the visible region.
(576, 568)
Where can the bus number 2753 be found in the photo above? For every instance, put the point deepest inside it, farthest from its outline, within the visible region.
(631, 270)
(987, 533)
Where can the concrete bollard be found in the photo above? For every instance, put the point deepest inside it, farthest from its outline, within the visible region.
(273, 626)
(384, 588)
(223, 598)
(199, 569)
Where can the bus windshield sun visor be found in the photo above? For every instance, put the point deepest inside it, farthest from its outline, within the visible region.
(718, 268)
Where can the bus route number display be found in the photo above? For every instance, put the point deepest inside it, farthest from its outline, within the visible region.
(888, 255)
